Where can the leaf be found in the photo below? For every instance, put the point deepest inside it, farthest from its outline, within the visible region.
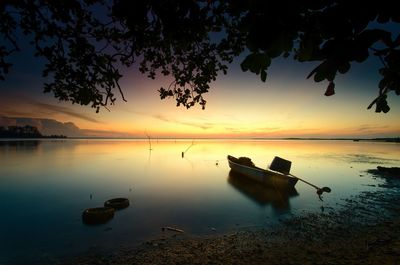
(381, 104)
(383, 83)
(330, 90)
(344, 67)
(318, 70)
(319, 76)
(360, 54)
(263, 75)
(312, 72)
(245, 64)
(255, 62)
(397, 41)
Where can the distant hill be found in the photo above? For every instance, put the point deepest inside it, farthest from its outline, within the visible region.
(46, 127)
(20, 132)
(26, 131)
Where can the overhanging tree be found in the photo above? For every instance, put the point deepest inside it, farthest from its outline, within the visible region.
(87, 42)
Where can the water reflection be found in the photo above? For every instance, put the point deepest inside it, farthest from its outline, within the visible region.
(262, 195)
(24, 145)
(50, 183)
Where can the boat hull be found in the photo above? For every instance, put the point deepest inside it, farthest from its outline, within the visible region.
(266, 177)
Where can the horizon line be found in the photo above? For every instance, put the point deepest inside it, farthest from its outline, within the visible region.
(208, 138)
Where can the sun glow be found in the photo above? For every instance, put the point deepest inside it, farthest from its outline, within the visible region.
(238, 106)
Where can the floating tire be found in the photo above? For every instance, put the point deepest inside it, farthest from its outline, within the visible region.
(117, 203)
(97, 215)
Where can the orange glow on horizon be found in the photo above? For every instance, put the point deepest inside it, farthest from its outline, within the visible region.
(236, 108)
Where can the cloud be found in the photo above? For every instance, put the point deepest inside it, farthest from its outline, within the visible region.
(60, 109)
(268, 129)
(201, 125)
(13, 113)
(235, 127)
(369, 127)
(108, 133)
(19, 105)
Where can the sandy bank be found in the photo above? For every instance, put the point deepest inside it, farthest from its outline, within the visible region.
(365, 230)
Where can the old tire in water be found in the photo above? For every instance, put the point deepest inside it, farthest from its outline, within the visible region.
(117, 203)
(97, 215)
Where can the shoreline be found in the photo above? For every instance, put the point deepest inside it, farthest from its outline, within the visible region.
(365, 230)
(62, 137)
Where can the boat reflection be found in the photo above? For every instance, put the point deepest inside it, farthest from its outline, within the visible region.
(262, 195)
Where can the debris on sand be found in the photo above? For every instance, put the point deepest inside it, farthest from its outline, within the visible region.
(172, 229)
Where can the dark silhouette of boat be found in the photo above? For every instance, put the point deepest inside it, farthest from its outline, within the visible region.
(267, 177)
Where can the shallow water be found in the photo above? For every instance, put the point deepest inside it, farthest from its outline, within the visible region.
(45, 186)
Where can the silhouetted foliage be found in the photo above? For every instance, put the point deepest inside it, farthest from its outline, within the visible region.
(87, 42)
(20, 132)
(26, 131)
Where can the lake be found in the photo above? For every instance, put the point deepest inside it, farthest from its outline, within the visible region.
(46, 184)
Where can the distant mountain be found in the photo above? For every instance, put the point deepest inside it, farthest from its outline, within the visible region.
(20, 132)
(45, 126)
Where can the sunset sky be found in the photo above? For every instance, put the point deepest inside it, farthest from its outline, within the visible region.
(238, 105)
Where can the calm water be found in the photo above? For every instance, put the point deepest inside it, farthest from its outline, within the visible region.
(45, 186)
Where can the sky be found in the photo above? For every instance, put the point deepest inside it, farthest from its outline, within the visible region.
(239, 105)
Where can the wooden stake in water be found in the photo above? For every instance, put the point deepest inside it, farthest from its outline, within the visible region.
(183, 153)
(148, 137)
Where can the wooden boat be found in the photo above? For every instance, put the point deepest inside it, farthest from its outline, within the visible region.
(265, 176)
